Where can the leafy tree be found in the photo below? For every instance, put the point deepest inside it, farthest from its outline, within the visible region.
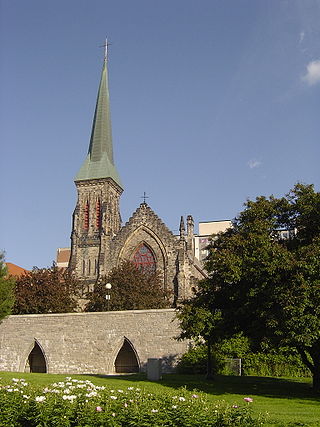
(46, 290)
(200, 321)
(264, 275)
(132, 289)
(6, 289)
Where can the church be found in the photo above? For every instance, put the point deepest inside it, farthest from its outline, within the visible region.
(99, 241)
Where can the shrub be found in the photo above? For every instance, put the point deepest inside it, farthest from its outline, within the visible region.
(283, 362)
(80, 403)
(194, 361)
(274, 365)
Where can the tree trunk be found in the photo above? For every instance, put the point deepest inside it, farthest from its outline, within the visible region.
(209, 375)
(316, 375)
(316, 380)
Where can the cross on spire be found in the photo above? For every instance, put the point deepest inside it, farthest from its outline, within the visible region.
(106, 49)
(144, 197)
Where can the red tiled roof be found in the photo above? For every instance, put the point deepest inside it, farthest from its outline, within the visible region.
(15, 270)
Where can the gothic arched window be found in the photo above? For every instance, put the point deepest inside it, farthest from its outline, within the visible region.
(144, 259)
(98, 214)
(86, 216)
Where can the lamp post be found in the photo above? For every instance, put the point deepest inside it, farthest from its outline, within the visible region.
(108, 296)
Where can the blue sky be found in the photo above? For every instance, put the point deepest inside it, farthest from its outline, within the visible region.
(212, 102)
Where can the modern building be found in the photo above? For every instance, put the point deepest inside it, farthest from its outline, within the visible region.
(206, 231)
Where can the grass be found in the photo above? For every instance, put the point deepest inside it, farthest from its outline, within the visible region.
(289, 402)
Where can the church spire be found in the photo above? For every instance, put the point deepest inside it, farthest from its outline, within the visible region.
(99, 162)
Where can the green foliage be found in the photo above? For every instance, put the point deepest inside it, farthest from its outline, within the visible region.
(274, 365)
(6, 289)
(132, 289)
(264, 284)
(80, 403)
(46, 290)
(237, 347)
(194, 361)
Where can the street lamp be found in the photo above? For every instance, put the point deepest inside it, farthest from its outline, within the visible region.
(108, 296)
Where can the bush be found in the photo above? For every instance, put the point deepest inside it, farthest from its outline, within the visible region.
(274, 365)
(195, 361)
(81, 403)
(281, 363)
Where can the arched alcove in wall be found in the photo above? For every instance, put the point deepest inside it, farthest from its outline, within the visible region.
(36, 361)
(126, 360)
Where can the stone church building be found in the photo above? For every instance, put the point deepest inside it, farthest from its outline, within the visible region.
(99, 242)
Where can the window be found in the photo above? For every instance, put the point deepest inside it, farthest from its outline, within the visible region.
(98, 214)
(144, 259)
(86, 216)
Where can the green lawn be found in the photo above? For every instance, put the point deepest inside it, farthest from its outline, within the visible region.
(289, 402)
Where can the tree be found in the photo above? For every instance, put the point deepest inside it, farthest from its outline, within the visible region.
(264, 275)
(200, 321)
(132, 289)
(46, 290)
(6, 289)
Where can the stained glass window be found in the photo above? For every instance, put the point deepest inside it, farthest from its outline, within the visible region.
(86, 216)
(98, 214)
(144, 259)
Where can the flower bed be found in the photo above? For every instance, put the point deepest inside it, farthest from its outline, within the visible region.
(81, 403)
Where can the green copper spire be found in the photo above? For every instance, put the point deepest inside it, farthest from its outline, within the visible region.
(99, 161)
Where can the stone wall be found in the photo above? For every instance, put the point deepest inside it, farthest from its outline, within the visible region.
(75, 343)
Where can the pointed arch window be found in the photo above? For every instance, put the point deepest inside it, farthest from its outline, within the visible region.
(86, 216)
(144, 259)
(98, 214)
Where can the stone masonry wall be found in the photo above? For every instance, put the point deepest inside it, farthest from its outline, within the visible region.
(75, 343)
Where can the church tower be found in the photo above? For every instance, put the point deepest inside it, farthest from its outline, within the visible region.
(96, 218)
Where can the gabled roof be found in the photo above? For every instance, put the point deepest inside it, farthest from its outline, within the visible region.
(99, 162)
(145, 216)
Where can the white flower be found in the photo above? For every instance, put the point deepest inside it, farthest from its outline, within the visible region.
(130, 388)
(113, 397)
(70, 397)
(174, 406)
(154, 410)
(91, 394)
(182, 399)
(120, 391)
(40, 398)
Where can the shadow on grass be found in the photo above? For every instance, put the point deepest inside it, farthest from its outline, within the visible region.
(222, 385)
